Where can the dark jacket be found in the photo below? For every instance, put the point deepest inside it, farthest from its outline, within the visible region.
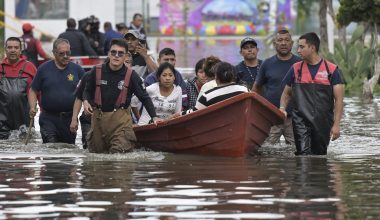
(79, 44)
(97, 40)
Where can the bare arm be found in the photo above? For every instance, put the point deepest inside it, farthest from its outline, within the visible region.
(87, 107)
(74, 119)
(152, 66)
(285, 97)
(41, 51)
(338, 91)
(136, 112)
(32, 99)
(257, 88)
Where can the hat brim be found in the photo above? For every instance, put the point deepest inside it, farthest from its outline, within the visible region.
(248, 42)
(126, 35)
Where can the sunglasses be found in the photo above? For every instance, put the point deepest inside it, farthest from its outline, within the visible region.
(64, 53)
(117, 53)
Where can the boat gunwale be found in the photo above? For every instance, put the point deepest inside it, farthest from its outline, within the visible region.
(214, 107)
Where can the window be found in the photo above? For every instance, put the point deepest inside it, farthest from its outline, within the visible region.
(42, 9)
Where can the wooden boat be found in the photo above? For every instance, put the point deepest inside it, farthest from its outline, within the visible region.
(232, 128)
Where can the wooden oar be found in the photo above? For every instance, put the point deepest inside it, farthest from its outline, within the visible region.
(31, 122)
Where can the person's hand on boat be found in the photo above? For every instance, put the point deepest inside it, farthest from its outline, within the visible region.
(87, 108)
(283, 110)
(335, 132)
(157, 120)
(175, 115)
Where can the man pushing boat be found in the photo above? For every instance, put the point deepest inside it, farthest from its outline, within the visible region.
(109, 90)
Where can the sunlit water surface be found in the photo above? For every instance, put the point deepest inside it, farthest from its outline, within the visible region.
(64, 181)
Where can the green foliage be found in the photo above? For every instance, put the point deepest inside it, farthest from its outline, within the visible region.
(358, 11)
(355, 60)
(304, 8)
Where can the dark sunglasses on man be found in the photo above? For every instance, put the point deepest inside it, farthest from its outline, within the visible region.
(117, 53)
(62, 54)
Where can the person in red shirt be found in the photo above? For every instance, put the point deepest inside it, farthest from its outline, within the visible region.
(16, 75)
(33, 46)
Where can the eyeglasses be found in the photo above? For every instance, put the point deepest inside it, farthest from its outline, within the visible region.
(63, 53)
(117, 53)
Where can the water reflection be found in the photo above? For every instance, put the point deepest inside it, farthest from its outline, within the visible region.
(63, 181)
(233, 189)
(187, 187)
(189, 51)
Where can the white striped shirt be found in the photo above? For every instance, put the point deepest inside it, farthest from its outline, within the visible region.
(216, 95)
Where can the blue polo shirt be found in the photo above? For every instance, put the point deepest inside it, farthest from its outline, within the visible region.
(271, 75)
(57, 86)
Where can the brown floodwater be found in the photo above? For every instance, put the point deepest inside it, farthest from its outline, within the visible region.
(63, 181)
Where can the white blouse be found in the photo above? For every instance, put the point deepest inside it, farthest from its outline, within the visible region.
(165, 106)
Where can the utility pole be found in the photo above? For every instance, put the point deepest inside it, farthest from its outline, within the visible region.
(2, 27)
(185, 12)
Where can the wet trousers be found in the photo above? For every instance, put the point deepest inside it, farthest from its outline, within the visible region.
(85, 124)
(285, 129)
(311, 138)
(55, 128)
(111, 132)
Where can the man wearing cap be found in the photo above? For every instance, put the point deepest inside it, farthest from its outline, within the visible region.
(79, 44)
(247, 69)
(270, 76)
(143, 64)
(33, 46)
(56, 80)
(16, 75)
(94, 36)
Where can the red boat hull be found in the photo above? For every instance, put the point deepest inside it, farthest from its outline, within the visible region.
(232, 128)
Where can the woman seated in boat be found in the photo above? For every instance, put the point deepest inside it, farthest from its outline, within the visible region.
(208, 68)
(194, 85)
(165, 95)
(226, 87)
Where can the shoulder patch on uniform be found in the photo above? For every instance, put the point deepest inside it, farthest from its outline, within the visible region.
(120, 85)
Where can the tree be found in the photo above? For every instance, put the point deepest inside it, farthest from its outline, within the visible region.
(323, 4)
(303, 11)
(368, 12)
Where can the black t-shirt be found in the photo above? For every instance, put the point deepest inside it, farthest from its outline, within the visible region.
(111, 84)
(81, 86)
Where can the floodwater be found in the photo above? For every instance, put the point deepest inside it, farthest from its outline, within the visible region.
(63, 181)
(190, 50)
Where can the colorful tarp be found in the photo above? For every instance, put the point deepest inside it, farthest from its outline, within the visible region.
(224, 17)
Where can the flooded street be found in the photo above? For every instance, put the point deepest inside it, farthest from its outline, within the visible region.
(63, 181)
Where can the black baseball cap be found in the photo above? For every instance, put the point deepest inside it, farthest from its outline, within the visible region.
(247, 40)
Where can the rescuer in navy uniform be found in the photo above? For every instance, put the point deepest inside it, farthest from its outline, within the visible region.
(56, 81)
